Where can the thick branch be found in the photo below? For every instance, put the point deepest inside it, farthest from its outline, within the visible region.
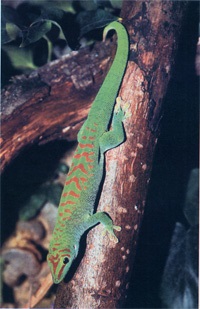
(52, 102)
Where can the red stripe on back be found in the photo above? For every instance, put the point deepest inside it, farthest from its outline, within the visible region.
(83, 179)
(74, 179)
(67, 203)
(86, 145)
(86, 155)
(72, 193)
(79, 166)
(68, 211)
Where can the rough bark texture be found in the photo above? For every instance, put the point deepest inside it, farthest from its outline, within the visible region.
(52, 103)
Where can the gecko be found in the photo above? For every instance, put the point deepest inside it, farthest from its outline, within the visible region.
(102, 130)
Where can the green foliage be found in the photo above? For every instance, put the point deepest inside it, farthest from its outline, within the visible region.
(57, 23)
(21, 58)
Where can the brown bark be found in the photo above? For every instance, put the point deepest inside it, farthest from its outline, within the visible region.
(35, 111)
(52, 102)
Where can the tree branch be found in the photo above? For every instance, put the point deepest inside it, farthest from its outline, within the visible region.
(52, 102)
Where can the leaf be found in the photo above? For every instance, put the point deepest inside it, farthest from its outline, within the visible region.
(90, 20)
(21, 58)
(5, 38)
(35, 32)
(12, 30)
(42, 25)
(9, 25)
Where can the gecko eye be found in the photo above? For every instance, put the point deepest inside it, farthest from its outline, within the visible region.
(65, 260)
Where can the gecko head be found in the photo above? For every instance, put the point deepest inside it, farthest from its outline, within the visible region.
(60, 261)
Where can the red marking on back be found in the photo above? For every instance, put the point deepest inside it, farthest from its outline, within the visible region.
(93, 130)
(60, 214)
(84, 137)
(67, 203)
(68, 211)
(86, 145)
(83, 179)
(72, 193)
(86, 155)
(74, 179)
(90, 166)
(79, 166)
(95, 124)
(91, 138)
(66, 218)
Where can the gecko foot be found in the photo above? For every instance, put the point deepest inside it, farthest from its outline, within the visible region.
(122, 111)
(110, 229)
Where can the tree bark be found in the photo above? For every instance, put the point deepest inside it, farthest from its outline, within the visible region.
(35, 111)
(52, 102)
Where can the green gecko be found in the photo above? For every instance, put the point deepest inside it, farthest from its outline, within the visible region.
(76, 209)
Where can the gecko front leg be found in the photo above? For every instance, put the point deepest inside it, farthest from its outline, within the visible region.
(116, 135)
